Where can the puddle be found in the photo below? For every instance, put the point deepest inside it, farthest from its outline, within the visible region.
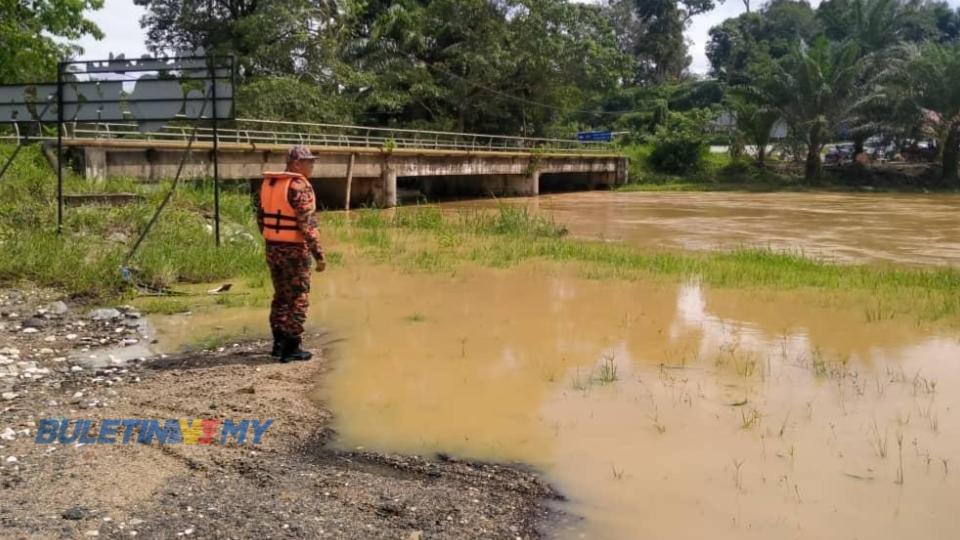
(119, 355)
(660, 410)
(842, 227)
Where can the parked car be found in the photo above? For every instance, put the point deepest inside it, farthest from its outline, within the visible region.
(919, 150)
(879, 149)
(840, 153)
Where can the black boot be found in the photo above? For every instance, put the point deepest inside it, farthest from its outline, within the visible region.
(292, 351)
(278, 340)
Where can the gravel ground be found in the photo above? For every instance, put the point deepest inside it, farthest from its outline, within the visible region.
(63, 360)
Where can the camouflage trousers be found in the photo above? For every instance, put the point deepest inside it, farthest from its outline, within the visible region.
(290, 272)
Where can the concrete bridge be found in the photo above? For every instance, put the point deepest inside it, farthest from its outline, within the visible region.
(357, 165)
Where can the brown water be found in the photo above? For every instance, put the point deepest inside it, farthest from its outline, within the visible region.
(910, 229)
(732, 414)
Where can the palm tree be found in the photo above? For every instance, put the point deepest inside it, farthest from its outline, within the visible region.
(813, 88)
(876, 26)
(927, 78)
(755, 121)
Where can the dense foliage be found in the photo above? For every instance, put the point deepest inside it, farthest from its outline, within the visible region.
(857, 70)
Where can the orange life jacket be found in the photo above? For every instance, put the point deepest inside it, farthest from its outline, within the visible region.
(279, 216)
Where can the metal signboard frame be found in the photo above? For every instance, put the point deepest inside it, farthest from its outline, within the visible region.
(196, 89)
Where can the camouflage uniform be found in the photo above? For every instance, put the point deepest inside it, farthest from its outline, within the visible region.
(290, 265)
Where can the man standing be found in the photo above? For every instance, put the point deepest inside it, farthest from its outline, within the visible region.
(285, 214)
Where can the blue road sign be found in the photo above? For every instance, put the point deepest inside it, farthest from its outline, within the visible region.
(588, 136)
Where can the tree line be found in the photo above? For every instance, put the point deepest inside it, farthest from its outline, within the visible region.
(848, 68)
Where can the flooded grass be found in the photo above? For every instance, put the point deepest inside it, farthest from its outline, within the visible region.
(427, 239)
(766, 394)
(639, 399)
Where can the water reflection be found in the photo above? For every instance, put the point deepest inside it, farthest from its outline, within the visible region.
(661, 410)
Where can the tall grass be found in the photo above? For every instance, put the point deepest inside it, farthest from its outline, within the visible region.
(85, 259)
(507, 220)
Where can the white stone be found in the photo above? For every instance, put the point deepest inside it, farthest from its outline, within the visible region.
(76, 368)
(8, 434)
(50, 339)
(30, 330)
(105, 314)
(11, 459)
(77, 395)
(46, 352)
(71, 337)
(8, 395)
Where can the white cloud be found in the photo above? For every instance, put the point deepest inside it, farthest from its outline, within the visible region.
(120, 22)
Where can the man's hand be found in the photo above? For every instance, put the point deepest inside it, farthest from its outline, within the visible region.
(321, 265)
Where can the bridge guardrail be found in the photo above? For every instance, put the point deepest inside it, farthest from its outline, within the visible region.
(252, 131)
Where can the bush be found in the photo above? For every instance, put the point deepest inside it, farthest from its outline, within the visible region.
(679, 145)
(677, 151)
(735, 167)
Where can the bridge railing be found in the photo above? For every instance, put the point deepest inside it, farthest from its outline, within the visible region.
(251, 131)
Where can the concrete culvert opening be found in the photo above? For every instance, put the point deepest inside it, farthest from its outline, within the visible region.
(410, 190)
(447, 187)
(563, 182)
(332, 192)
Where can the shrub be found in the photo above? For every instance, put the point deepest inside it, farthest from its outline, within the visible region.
(679, 145)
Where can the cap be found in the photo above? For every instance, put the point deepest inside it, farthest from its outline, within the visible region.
(300, 152)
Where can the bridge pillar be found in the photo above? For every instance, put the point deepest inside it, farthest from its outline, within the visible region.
(95, 164)
(533, 184)
(623, 172)
(387, 194)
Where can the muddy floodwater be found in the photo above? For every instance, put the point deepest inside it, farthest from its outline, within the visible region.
(660, 410)
(907, 229)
